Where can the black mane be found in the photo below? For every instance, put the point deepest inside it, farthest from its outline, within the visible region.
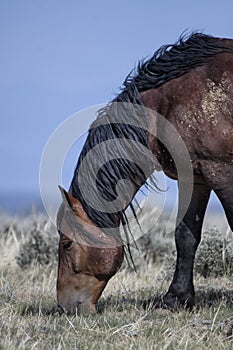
(169, 62)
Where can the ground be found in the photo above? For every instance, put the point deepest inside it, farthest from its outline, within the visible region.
(125, 318)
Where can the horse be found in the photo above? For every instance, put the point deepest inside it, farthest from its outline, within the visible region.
(183, 95)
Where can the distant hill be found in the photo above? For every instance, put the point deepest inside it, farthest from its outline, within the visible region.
(23, 203)
(20, 203)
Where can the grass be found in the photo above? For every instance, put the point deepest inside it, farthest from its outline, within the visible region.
(125, 318)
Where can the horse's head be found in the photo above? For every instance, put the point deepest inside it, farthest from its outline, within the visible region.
(88, 258)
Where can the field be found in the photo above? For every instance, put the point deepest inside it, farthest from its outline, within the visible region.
(125, 317)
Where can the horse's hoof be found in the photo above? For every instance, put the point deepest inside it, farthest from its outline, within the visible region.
(173, 302)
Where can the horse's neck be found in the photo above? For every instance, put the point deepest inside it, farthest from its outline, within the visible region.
(119, 165)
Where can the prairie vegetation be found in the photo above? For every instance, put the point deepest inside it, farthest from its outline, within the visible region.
(125, 318)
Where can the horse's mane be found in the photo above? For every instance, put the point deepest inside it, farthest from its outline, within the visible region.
(172, 61)
(169, 62)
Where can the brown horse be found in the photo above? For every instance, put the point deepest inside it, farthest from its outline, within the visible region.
(186, 87)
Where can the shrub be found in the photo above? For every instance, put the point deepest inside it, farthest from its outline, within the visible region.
(215, 255)
(152, 240)
(40, 246)
(155, 246)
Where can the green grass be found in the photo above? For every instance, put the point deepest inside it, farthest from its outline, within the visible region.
(125, 318)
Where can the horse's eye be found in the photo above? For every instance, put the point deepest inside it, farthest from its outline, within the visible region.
(67, 245)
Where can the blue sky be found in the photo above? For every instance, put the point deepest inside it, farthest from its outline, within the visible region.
(58, 57)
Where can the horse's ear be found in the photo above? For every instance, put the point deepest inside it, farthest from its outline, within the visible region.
(65, 196)
(68, 200)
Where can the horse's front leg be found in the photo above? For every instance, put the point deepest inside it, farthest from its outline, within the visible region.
(187, 235)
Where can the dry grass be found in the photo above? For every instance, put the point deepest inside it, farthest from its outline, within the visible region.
(125, 319)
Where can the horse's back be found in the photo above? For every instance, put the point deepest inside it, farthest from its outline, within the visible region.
(202, 108)
(200, 105)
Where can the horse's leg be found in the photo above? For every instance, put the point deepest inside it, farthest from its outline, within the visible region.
(187, 235)
(222, 184)
(225, 195)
